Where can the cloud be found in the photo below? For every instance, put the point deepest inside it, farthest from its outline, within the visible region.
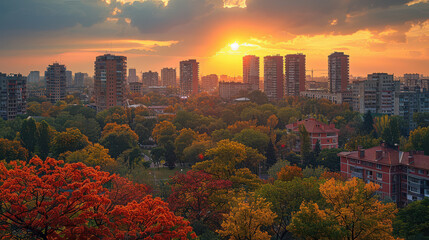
(42, 15)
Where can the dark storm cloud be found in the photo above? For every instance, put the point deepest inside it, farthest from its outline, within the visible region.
(41, 15)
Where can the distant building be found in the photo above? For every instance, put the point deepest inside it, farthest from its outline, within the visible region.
(109, 81)
(338, 65)
(209, 83)
(251, 71)
(132, 75)
(376, 94)
(136, 87)
(13, 97)
(336, 98)
(189, 77)
(408, 102)
(325, 134)
(33, 77)
(403, 176)
(273, 77)
(295, 74)
(231, 90)
(150, 78)
(168, 77)
(413, 81)
(79, 79)
(56, 82)
(69, 79)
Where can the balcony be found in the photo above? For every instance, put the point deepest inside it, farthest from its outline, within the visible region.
(357, 174)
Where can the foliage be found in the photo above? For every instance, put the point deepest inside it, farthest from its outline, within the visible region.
(366, 141)
(305, 147)
(276, 168)
(329, 159)
(183, 140)
(247, 216)
(118, 138)
(92, 155)
(271, 154)
(199, 197)
(253, 139)
(28, 134)
(288, 173)
(286, 198)
(367, 124)
(421, 119)
(12, 150)
(353, 212)
(70, 140)
(164, 133)
(419, 139)
(49, 200)
(413, 220)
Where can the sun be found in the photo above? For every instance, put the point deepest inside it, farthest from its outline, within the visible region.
(235, 46)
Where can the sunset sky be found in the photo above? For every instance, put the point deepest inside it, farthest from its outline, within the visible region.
(379, 35)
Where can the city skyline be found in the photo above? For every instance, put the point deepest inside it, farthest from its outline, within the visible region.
(390, 36)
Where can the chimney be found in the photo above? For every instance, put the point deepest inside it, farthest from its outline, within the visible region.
(361, 153)
(378, 154)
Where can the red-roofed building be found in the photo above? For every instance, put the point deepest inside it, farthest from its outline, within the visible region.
(402, 176)
(326, 134)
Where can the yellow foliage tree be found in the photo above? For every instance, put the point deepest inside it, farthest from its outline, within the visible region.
(92, 155)
(353, 212)
(248, 214)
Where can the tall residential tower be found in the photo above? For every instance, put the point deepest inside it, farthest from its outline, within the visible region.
(338, 65)
(273, 77)
(109, 81)
(251, 71)
(189, 77)
(295, 74)
(56, 82)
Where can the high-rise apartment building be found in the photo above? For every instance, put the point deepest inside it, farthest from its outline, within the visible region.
(109, 81)
(295, 74)
(132, 75)
(189, 71)
(69, 79)
(150, 79)
(376, 94)
(33, 77)
(55, 76)
(79, 79)
(251, 71)
(338, 65)
(12, 95)
(273, 77)
(209, 83)
(168, 77)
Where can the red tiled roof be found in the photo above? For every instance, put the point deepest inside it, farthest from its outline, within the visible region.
(391, 157)
(312, 126)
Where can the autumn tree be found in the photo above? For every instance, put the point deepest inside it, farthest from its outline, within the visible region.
(353, 212)
(70, 140)
(12, 150)
(164, 133)
(51, 200)
(419, 139)
(248, 215)
(253, 139)
(92, 155)
(199, 197)
(288, 173)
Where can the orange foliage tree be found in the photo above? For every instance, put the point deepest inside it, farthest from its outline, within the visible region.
(51, 200)
(289, 172)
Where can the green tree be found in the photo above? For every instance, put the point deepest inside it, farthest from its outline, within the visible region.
(412, 222)
(419, 139)
(368, 122)
(28, 134)
(392, 132)
(329, 158)
(118, 138)
(184, 140)
(157, 154)
(258, 97)
(421, 119)
(304, 137)
(70, 140)
(317, 149)
(44, 138)
(164, 133)
(253, 138)
(170, 156)
(271, 154)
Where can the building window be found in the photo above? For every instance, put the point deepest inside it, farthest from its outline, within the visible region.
(378, 166)
(421, 172)
(379, 176)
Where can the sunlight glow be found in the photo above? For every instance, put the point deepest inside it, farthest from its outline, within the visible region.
(235, 46)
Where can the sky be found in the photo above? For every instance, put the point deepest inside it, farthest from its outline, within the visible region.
(379, 35)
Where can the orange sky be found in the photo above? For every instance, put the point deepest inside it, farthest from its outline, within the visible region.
(389, 38)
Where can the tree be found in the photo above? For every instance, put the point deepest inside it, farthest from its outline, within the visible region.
(288, 173)
(365, 142)
(131, 157)
(49, 200)
(70, 140)
(199, 197)
(272, 122)
(380, 123)
(12, 150)
(92, 155)
(286, 198)
(118, 138)
(368, 122)
(421, 119)
(28, 134)
(317, 149)
(184, 140)
(329, 158)
(271, 154)
(305, 144)
(419, 139)
(253, 139)
(247, 216)
(413, 220)
(392, 132)
(157, 155)
(44, 137)
(353, 212)
(164, 132)
(170, 156)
